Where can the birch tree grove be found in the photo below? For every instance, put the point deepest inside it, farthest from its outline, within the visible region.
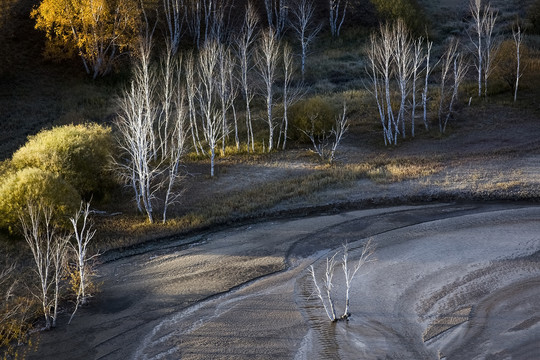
(395, 57)
(150, 151)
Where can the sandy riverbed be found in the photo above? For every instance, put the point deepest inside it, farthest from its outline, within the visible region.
(245, 293)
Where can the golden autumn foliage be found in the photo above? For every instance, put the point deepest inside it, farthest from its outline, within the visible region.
(79, 154)
(99, 31)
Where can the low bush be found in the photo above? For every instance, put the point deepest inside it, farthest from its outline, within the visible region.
(79, 154)
(409, 10)
(317, 109)
(35, 185)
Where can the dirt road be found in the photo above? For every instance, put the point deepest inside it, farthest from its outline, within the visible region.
(245, 293)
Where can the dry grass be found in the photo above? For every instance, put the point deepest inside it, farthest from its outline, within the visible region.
(220, 208)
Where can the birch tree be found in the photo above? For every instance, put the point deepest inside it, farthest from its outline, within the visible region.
(206, 96)
(59, 259)
(326, 298)
(175, 153)
(138, 141)
(368, 250)
(403, 58)
(244, 47)
(83, 233)
(48, 250)
(290, 95)
(418, 59)
(517, 35)
(268, 57)
(306, 31)
(338, 10)
(325, 295)
(475, 7)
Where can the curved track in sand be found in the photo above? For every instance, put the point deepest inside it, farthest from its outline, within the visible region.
(451, 280)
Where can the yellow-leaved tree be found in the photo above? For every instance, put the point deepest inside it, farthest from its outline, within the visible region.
(99, 31)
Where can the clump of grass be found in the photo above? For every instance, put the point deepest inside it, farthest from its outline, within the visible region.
(399, 171)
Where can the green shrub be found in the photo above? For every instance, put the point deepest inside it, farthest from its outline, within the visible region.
(78, 153)
(35, 185)
(408, 10)
(318, 108)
